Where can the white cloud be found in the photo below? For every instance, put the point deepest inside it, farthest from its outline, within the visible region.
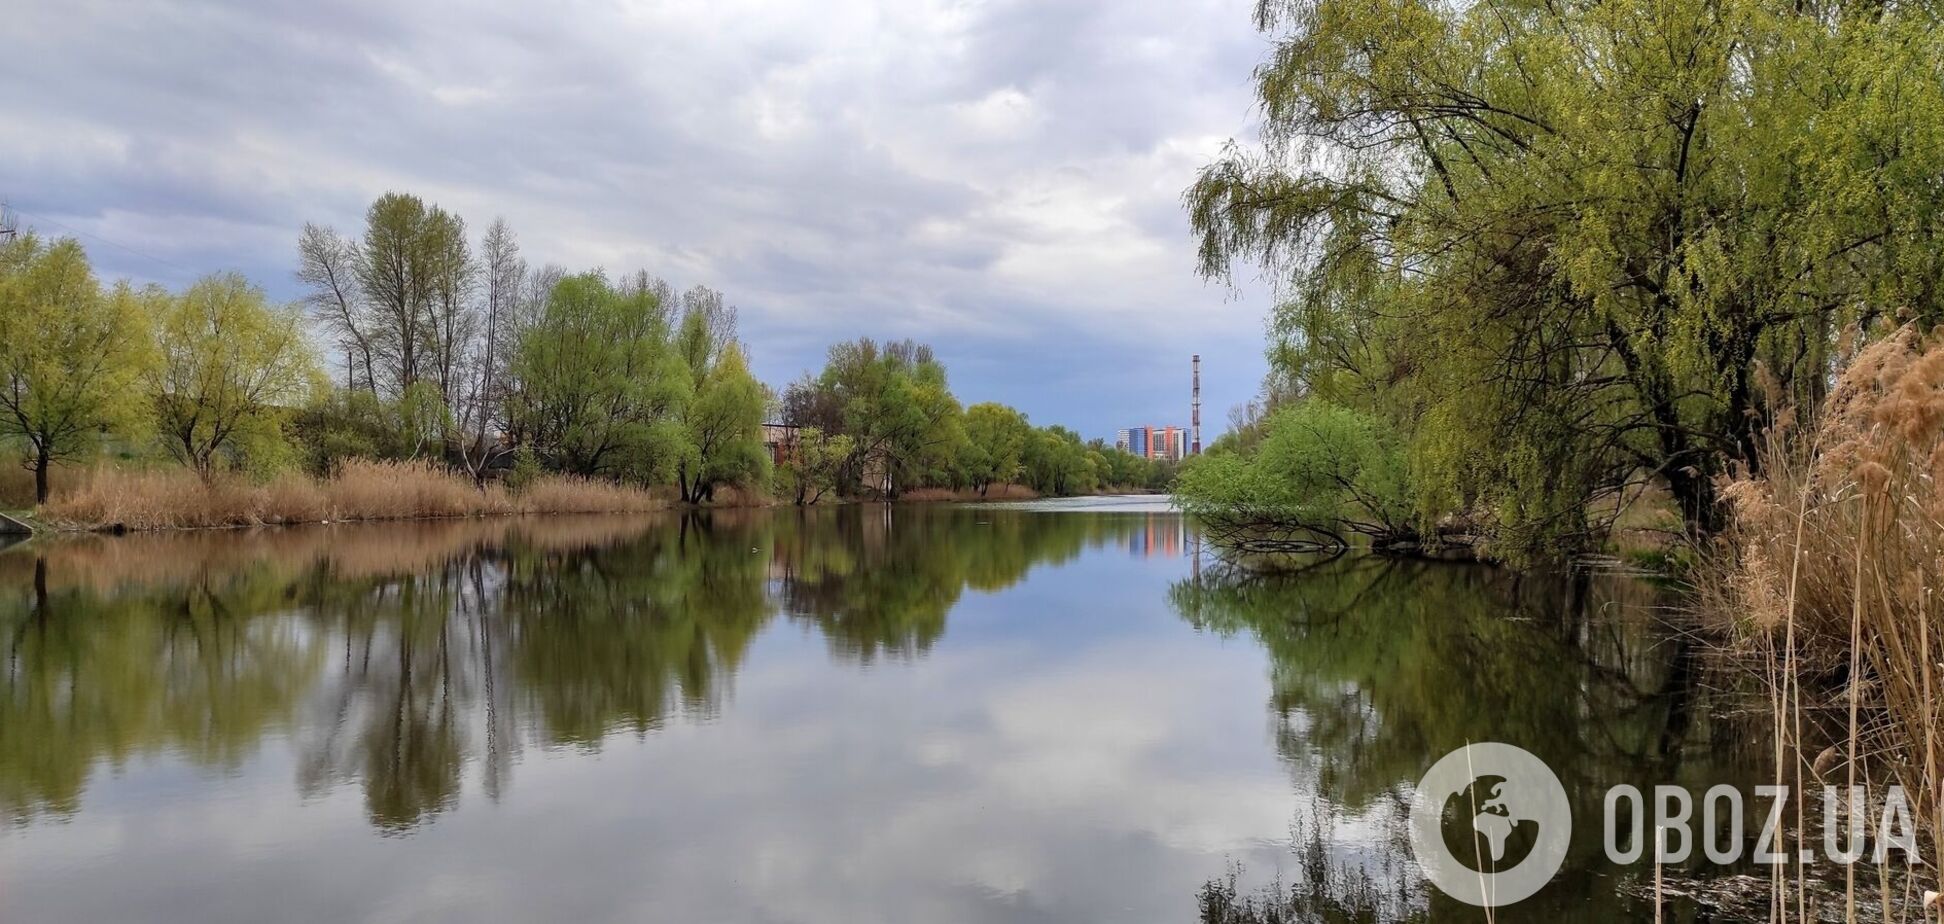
(982, 174)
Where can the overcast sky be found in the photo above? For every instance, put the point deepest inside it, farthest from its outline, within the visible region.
(999, 179)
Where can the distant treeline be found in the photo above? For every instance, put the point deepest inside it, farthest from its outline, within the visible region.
(462, 353)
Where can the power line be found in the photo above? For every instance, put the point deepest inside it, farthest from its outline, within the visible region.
(110, 242)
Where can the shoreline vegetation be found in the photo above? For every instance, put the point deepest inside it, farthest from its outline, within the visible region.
(463, 381)
(1825, 585)
(1633, 268)
(116, 500)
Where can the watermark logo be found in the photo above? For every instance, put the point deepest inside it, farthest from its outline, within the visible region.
(1490, 825)
(1513, 824)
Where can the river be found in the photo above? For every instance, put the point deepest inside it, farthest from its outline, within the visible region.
(1001, 713)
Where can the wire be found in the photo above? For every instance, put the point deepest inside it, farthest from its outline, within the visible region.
(112, 243)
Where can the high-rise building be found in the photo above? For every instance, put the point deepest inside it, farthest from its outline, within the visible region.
(1169, 443)
(1153, 442)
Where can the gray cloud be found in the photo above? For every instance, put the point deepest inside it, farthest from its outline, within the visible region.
(1000, 178)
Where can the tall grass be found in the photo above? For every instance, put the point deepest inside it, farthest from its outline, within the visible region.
(350, 550)
(17, 480)
(115, 498)
(1836, 547)
(998, 492)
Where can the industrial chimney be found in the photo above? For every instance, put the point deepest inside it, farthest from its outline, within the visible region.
(1194, 414)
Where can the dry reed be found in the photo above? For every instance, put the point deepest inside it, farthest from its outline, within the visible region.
(17, 480)
(1836, 544)
(115, 498)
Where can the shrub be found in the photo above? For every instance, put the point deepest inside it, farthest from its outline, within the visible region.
(1320, 470)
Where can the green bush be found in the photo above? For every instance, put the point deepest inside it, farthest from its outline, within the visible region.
(1319, 466)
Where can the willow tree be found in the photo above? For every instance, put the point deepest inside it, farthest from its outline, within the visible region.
(601, 389)
(70, 355)
(723, 424)
(996, 437)
(1554, 243)
(898, 409)
(229, 367)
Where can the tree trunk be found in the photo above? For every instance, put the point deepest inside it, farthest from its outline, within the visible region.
(41, 462)
(1695, 493)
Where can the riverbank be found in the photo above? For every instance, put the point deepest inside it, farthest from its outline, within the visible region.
(112, 499)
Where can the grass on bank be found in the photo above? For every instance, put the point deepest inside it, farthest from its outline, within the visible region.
(109, 498)
(1829, 588)
(998, 492)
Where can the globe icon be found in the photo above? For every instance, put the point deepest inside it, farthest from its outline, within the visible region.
(1490, 824)
(1496, 812)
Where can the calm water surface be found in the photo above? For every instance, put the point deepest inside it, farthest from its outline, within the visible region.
(985, 714)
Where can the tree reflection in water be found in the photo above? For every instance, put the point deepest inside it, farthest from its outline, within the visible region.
(1380, 666)
(395, 656)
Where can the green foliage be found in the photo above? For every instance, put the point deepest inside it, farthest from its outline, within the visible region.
(525, 470)
(724, 429)
(722, 424)
(812, 465)
(338, 424)
(601, 391)
(995, 445)
(1119, 468)
(228, 368)
(1058, 463)
(1319, 466)
(906, 428)
(464, 361)
(1553, 249)
(71, 358)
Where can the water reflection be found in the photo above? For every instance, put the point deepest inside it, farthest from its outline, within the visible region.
(1379, 667)
(398, 654)
(979, 714)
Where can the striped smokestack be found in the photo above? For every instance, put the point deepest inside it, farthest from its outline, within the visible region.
(1194, 413)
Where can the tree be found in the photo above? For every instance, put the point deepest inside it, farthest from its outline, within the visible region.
(395, 271)
(601, 389)
(708, 327)
(1056, 463)
(501, 273)
(328, 265)
(1554, 248)
(452, 276)
(70, 358)
(228, 366)
(906, 427)
(812, 465)
(1320, 473)
(995, 444)
(724, 424)
(807, 402)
